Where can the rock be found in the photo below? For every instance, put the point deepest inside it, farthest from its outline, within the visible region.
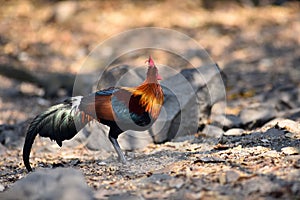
(296, 189)
(209, 86)
(188, 138)
(209, 160)
(180, 110)
(97, 137)
(226, 121)
(125, 196)
(135, 140)
(64, 10)
(213, 131)
(189, 96)
(2, 188)
(2, 149)
(176, 183)
(283, 97)
(257, 115)
(286, 124)
(79, 139)
(12, 135)
(59, 183)
(290, 125)
(234, 132)
(232, 176)
(193, 195)
(157, 178)
(272, 123)
(11, 139)
(271, 153)
(122, 75)
(290, 114)
(290, 150)
(297, 164)
(262, 185)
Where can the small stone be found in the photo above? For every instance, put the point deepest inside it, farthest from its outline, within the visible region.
(2, 188)
(213, 131)
(296, 188)
(2, 149)
(292, 126)
(287, 123)
(232, 176)
(235, 132)
(193, 195)
(226, 121)
(10, 139)
(125, 196)
(262, 185)
(272, 123)
(65, 10)
(257, 115)
(102, 163)
(290, 150)
(290, 135)
(23, 56)
(176, 183)
(265, 140)
(266, 63)
(156, 178)
(209, 160)
(97, 138)
(297, 164)
(271, 153)
(43, 102)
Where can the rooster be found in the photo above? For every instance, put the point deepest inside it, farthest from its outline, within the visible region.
(120, 108)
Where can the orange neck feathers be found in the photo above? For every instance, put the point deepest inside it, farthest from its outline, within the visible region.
(150, 91)
(151, 97)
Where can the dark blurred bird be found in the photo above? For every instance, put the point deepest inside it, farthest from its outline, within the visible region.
(120, 108)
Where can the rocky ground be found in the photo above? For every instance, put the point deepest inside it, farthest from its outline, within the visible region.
(252, 151)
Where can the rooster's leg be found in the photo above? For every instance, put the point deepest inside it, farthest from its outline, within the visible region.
(116, 145)
(113, 134)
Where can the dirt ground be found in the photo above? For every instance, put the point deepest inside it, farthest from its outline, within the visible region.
(256, 47)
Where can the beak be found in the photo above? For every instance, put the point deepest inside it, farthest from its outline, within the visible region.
(159, 77)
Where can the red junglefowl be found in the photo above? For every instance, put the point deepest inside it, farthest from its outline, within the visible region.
(120, 108)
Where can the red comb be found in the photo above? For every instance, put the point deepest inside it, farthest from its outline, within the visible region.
(150, 62)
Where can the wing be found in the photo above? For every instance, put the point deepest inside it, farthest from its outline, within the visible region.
(128, 109)
(98, 104)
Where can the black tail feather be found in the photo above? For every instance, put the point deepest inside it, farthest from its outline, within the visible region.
(59, 123)
(30, 136)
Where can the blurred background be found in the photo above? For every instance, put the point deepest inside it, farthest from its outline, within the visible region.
(255, 43)
(44, 43)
